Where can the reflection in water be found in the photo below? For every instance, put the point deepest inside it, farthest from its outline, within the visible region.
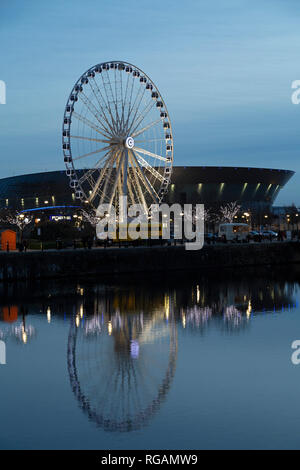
(21, 331)
(122, 341)
(121, 367)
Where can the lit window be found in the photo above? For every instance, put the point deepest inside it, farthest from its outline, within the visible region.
(257, 186)
(244, 187)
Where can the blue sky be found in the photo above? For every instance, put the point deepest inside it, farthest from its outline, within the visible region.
(224, 68)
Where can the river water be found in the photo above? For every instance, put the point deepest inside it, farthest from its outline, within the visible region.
(180, 361)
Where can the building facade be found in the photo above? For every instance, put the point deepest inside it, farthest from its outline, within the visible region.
(253, 188)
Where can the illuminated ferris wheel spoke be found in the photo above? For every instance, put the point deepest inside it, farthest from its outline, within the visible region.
(118, 98)
(124, 101)
(121, 160)
(89, 123)
(89, 138)
(141, 198)
(136, 105)
(94, 111)
(145, 180)
(146, 128)
(107, 184)
(130, 189)
(109, 169)
(88, 173)
(149, 140)
(130, 100)
(137, 121)
(150, 154)
(131, 106)
(100, 178)
(108, 105)
(92, 153)
(104, 107)
(146, 165)
(113, 101)
(100, 98)
(136, 111)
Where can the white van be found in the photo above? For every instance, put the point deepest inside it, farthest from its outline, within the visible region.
(234, 232)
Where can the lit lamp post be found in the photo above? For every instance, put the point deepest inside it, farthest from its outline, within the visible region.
(266, 219)
(21, 217)
(248, 216)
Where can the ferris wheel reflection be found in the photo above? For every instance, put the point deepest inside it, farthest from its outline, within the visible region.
(121, 366)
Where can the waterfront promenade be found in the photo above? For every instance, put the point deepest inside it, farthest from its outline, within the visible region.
(114, 260)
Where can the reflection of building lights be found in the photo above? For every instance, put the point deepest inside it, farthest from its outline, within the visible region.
(24, 335)
(134, 349)
(49, 314)
(77, 320)
(81, 311)
(249, 309)
(93, 325)
(109, 328)
(198, 293)
(183, 320)
(167, 306)
(232, 315)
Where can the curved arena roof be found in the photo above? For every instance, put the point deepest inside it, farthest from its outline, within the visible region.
(203, 184)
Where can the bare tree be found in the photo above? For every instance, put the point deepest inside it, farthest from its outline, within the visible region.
(228, 212)
(15, 218)
(89, 215)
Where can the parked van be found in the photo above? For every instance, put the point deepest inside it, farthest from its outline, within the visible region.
(234, 232)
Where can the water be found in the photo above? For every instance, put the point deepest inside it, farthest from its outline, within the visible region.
(175, 362)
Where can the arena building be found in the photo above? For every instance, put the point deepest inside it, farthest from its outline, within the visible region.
(253, 188)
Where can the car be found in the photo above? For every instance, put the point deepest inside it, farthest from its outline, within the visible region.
(269, 234)
(254, 235)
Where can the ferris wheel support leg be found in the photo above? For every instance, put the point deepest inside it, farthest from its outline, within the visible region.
(123, 197)
(125, 170)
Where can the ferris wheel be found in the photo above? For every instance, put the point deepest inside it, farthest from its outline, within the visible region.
(117, 137)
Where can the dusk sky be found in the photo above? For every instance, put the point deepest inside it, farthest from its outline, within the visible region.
(224, 68)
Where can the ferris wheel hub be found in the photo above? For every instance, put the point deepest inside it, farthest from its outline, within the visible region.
(129, 142)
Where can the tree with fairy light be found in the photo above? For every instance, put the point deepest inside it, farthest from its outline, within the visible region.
(14, 218)
(228, 212)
